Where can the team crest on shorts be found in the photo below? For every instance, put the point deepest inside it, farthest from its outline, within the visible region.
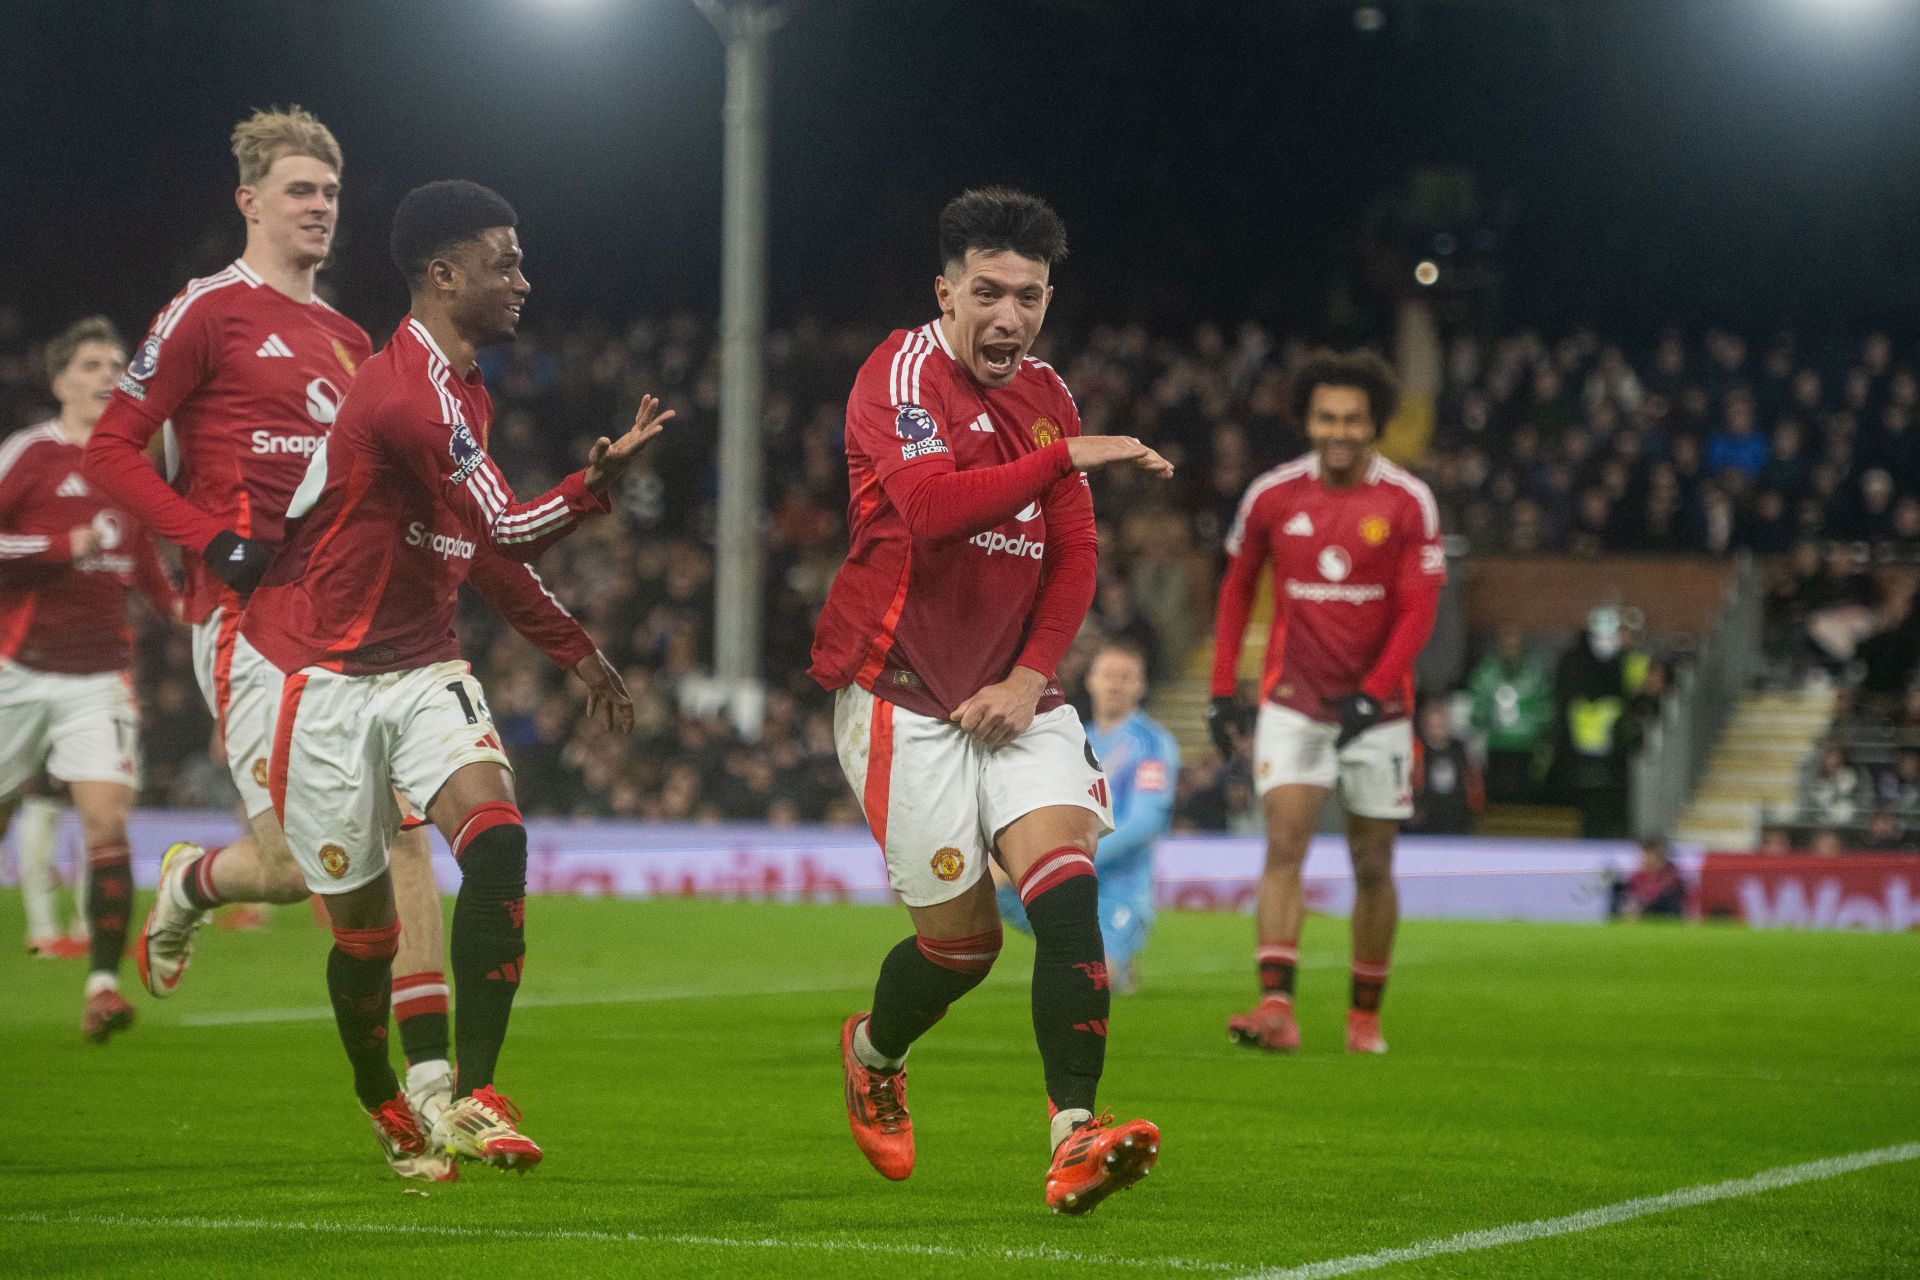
(1374, 530)
(948, 864)
(259, 773)
(1044, 433)
(333, 859)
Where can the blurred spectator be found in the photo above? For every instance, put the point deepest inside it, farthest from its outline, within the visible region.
(1656, 888)
(1837, 790)
(1447, 791)
(1596, 680)
(1513, 707)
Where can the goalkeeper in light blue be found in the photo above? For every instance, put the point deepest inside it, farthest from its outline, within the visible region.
(1142, 764)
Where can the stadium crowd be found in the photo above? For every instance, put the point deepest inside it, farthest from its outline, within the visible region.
(1701, 445)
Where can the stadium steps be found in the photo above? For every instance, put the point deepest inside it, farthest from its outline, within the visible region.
(1534, 821)
(1756, 766)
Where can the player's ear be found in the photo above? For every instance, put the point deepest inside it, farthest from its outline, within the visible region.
(243, 199)
(943, 293)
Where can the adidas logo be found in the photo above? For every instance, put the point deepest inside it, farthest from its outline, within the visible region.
(73, 486)
(981, 423)
(275, 345)
(239, 554)
(1299, 526)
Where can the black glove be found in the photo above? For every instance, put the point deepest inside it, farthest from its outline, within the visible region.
(1226, 716)
(239, 562)
(1358, 713)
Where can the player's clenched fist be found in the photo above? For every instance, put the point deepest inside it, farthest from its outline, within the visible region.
(1090, 453)
(608, 460)
(607, 697)
(1001, 712)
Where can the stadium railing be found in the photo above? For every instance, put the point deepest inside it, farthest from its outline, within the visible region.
(1705, 692)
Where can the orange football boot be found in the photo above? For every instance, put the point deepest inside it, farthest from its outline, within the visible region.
(1268, 1025)
(106, 1013)
(877, 1110)
(1099, 1158)
(1363, 1033)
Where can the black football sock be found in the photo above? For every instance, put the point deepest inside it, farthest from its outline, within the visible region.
(919, 979)
(420, 1007)
(489, 944)
(1278, 962)
(360, 981)
(1369, 984)
(109, 904)
(1071, 996)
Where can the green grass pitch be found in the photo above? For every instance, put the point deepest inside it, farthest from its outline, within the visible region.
(679, 1062)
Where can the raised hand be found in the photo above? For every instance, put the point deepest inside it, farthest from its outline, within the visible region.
(608, 460)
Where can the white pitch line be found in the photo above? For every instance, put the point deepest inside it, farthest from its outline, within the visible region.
(1604, 1216)
(321, 1013)
(824, 1244)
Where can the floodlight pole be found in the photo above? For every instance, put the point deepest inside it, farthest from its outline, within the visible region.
(747, 27)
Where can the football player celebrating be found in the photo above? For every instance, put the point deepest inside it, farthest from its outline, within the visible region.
(247, 368)
(1354, 542)
(971, 568)
(356, 614)
(68, 558)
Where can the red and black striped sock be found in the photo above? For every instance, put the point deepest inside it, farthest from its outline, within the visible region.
(489, 937)
(197, 882)
(420, 1007)
(919, 980)
(1278, 963)
(360, 982)
(109, 904)
(1369, 984)
(1071, 995)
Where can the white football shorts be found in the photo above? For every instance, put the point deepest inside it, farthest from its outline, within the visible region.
(1374, 771)
(344, 745)
(241, 689)
(936, 800)
(82, 728)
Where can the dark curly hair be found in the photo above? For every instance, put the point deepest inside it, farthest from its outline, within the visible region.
(1364, 369)
(440, 215)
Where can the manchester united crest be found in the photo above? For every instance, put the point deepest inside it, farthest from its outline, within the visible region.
(333, 859)
(1374, 530)
(340, 354)
(1044, 433)
(259, 772)
(948, 864)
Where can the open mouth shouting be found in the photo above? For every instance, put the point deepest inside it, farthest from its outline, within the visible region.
(1000, 360)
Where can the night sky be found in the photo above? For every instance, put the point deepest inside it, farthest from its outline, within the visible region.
(1636, 161)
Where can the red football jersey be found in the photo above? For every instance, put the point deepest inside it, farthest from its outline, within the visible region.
(1346, 562)
(57, 613)
(927, 624)
(391, 515)
(249, 381)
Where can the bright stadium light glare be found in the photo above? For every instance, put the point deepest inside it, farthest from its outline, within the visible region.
(1427, 272)
(1846, 9)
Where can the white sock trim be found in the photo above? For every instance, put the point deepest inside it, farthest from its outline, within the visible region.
(871, 1058)
(100, 980)
(1064, 1122)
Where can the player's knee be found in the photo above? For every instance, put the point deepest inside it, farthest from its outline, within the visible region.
(1372, 870)
(1287, 848)
(972, 957)
(378, 944)
(490, 845)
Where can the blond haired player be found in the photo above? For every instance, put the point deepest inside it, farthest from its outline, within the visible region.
(247, 369)
(68, 558)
